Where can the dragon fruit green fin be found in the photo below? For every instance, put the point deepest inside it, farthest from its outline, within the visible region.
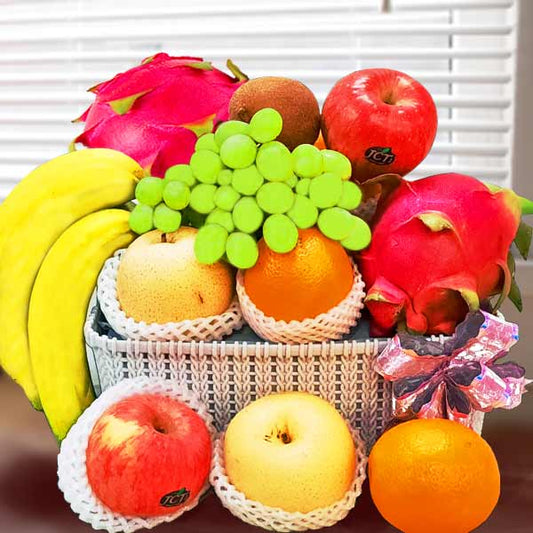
(123, 105)
(236, 71)
(526, 205)
(522, 239)
(201, 126)
(436, 221)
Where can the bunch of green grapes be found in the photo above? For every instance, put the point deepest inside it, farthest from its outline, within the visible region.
(241, 183)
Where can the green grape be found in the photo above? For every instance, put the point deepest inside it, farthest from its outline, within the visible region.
(206, 142)
(280, 233)
(266, 125)
(228, 129)
(165, 219)
(210, 243)
(307, 161)
(292, 181)
(325, 190)
(241, 250)
(336, 223)
(225, 176)
(181, 173)
(359, 237)
(226, 197)
(176, 195)
(141, 219)
(247, 180)
(303, 212)
(302, 187)
(193, 218)
(238, 151)
(203, 198)
(205, 166)
(274, 161)
(222, 218)
(149, 191)
(275, 197)
(247, 216)
(337, 163)
(351, 196)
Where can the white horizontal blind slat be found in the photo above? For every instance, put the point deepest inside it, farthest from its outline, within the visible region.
(222, 53)
(167, 31)
(240, 8)
(463, 51)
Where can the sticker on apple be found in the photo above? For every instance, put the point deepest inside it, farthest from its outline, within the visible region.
(175, 498)
(380, 155)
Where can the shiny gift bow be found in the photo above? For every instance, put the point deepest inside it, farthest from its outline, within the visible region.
(455, 378)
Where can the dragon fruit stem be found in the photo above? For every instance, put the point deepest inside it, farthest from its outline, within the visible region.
(236, 71)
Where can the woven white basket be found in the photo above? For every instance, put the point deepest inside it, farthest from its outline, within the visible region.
(229, 375)
(201, 329)
(274, 519)
(333, 324)
(72, 471)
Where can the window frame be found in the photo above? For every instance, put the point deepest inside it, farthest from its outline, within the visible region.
(523, 126)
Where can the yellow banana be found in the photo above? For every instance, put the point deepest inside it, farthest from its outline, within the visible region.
(58, 306)
(33, 216)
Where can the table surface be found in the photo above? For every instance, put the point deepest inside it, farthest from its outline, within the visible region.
(30, 501)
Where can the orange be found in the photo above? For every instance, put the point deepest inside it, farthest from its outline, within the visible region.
(319, 143)
(310, 280)
(433, 476)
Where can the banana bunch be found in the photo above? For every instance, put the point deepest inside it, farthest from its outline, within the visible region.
(56, 231)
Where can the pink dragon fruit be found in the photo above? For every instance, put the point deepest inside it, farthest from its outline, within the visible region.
(154, 112)
(440, 247)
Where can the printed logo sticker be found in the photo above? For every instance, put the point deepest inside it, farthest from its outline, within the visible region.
(172, 499)
(380, 155)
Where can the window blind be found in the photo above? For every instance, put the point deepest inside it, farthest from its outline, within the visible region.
(463, 51)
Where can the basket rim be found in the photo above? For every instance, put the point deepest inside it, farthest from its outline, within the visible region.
(94, 338)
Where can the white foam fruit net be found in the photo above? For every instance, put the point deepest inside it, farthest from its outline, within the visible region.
(201, 329)
(332, 325)
(72, 472)
(275, 519)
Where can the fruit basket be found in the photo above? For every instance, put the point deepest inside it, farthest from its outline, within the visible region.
(233, 262)
(228, 375)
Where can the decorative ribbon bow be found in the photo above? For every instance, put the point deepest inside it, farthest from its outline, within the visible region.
(452, 379)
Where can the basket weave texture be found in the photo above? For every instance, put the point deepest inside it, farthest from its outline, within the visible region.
(201, 329)
(274, 519)
(332, 325)
(72, 471)
(227, 376)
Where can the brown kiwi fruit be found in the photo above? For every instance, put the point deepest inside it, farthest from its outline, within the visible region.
(292, 99)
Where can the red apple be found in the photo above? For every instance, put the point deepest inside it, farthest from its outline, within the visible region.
(147, 455)
(383, 120)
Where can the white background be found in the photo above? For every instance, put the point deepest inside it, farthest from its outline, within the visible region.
(463, 51)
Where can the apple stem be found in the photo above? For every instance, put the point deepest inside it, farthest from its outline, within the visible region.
(163, 237)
